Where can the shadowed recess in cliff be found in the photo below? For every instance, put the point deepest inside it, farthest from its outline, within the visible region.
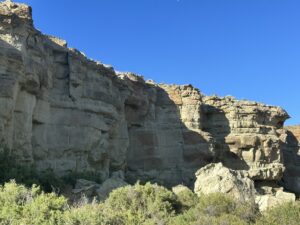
(291, 178)
(166, 141)
(217, 124)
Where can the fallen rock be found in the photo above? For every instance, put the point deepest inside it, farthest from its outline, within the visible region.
(217, 178)
(108, 186)
(91, 189)
(85, 188)
(265, 202)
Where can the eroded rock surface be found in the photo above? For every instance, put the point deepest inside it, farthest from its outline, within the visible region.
(62, 111)
(216, 178)
(248, 135)
(291, 152)
(272, 197)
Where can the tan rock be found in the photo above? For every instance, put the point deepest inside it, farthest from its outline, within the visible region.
(248, 135)
(65, 112)
(268, 201)
(85, 188)
(291, 153)
(215, 178)
(108, 186)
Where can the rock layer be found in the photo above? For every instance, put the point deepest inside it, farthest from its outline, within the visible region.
(62, 111)
(248, 135)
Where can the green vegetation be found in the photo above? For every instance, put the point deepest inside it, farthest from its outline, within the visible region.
(285, 214)
(26, 174)
(147, 204)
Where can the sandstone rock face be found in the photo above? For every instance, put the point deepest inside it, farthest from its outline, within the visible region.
(62, 111)
(166, 139)
(215, 178)
(248, 135)
(291, 152)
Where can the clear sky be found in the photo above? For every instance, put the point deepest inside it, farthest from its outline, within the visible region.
(246, 48)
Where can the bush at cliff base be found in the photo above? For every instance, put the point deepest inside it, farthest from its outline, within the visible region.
(19, 205)
(147, 204)
(287, 214)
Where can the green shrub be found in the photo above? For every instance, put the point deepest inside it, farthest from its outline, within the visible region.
(288, 214)
(217, 209)
(147, 204)
(141, 204)
(87, 214)
(186, 198)
(27, 174)
(12, 199)
(20, 205)
(10, 169)
(215, 204)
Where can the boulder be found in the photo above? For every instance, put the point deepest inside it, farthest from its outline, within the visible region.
(108, 186)
(215, 178)
(268, 201)
(91, 189)
(85, 188)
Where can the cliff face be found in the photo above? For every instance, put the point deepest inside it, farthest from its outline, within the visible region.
(292, 160)
(295, 130)
(62, 111)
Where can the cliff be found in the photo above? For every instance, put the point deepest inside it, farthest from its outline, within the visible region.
(62, 111)
(292, 160)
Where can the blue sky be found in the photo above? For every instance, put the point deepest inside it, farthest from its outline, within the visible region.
(246, 48)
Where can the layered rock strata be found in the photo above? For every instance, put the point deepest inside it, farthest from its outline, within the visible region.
(62, 111)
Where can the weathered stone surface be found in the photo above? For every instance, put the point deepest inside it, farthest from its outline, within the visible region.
(109, 185)
(268, 201)
(215, 178)
(62, 111)
(85, 188)
(167, 143)
(291, 153)
(248, 135)
(91, 190)
(295, 130)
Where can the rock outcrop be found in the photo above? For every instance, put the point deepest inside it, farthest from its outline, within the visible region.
(295, 130)
(291, 153)
(62, 111)
(269, 195)
(248, 135)
(216, 178)
(92, 190)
